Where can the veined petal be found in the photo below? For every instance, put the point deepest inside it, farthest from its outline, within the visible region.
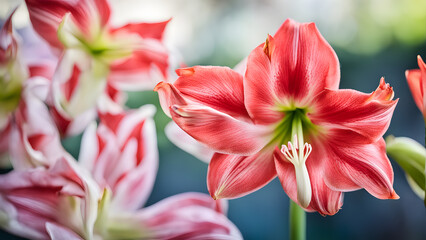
(303, 63)
(220, 88)
(360, 166)
(169, 95)
(363, 116)
(259, 92)
(324, 200)
(186, 216)
(187, 143)
(233, 176)
(220, 131)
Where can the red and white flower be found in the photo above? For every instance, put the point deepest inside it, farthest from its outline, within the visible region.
(37, 203)
(289, 94)
(22, 73)
(95, 53)
(122, 156)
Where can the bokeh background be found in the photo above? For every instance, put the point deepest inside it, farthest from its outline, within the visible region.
(372, 38)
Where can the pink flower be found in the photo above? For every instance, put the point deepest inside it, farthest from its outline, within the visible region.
(416, 79)
(95, 57)
(37, 202)
(22, 71)
(34, 140)
(289, 94)
(122, 156)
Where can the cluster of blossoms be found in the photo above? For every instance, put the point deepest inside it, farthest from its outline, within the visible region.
(57, 86)
(279, 113)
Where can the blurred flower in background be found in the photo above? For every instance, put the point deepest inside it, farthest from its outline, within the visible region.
(235, 27)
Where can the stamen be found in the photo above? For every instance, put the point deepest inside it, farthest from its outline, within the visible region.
(297, 153)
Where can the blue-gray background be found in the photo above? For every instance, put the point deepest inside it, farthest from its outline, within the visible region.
(371, 38)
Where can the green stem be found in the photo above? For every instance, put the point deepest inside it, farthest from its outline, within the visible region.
(297, 222)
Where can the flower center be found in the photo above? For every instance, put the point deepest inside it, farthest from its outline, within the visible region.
(293, 128)
(98, 42)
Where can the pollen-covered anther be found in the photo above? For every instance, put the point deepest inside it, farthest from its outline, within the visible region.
(298, 156)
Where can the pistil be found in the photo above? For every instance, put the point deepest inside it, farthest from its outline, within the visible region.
(297, 152)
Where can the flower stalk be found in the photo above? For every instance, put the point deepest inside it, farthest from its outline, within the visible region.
(297, 222)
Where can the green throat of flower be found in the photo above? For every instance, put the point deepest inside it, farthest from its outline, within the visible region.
(295, 120)
(12, 75)
(98, 43)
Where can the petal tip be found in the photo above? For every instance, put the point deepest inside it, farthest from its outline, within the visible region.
(394, 195)
(384, 92)
(185, 72)
(421, 63)
(159, 86)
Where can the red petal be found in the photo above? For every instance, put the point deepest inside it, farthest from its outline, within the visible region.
(414, 80)
(125, 157)
(303, 62)
(137, 72)
(259, 92)
(145, 30)
(220, 131)
(417, 82)
(169, 95)
(360, 166)
(343, 112)
(233, 176)
(218, 87)
(324, 200)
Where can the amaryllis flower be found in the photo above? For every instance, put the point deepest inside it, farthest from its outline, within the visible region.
(286, 117)
(21, 67)
(130, 57)
(34, 140)
(12, 76)
(121, 154)
(37, 203)
(416, 79)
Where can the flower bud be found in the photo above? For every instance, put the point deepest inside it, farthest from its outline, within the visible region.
(411, 157)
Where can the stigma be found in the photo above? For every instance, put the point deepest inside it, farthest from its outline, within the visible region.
(297, 153)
